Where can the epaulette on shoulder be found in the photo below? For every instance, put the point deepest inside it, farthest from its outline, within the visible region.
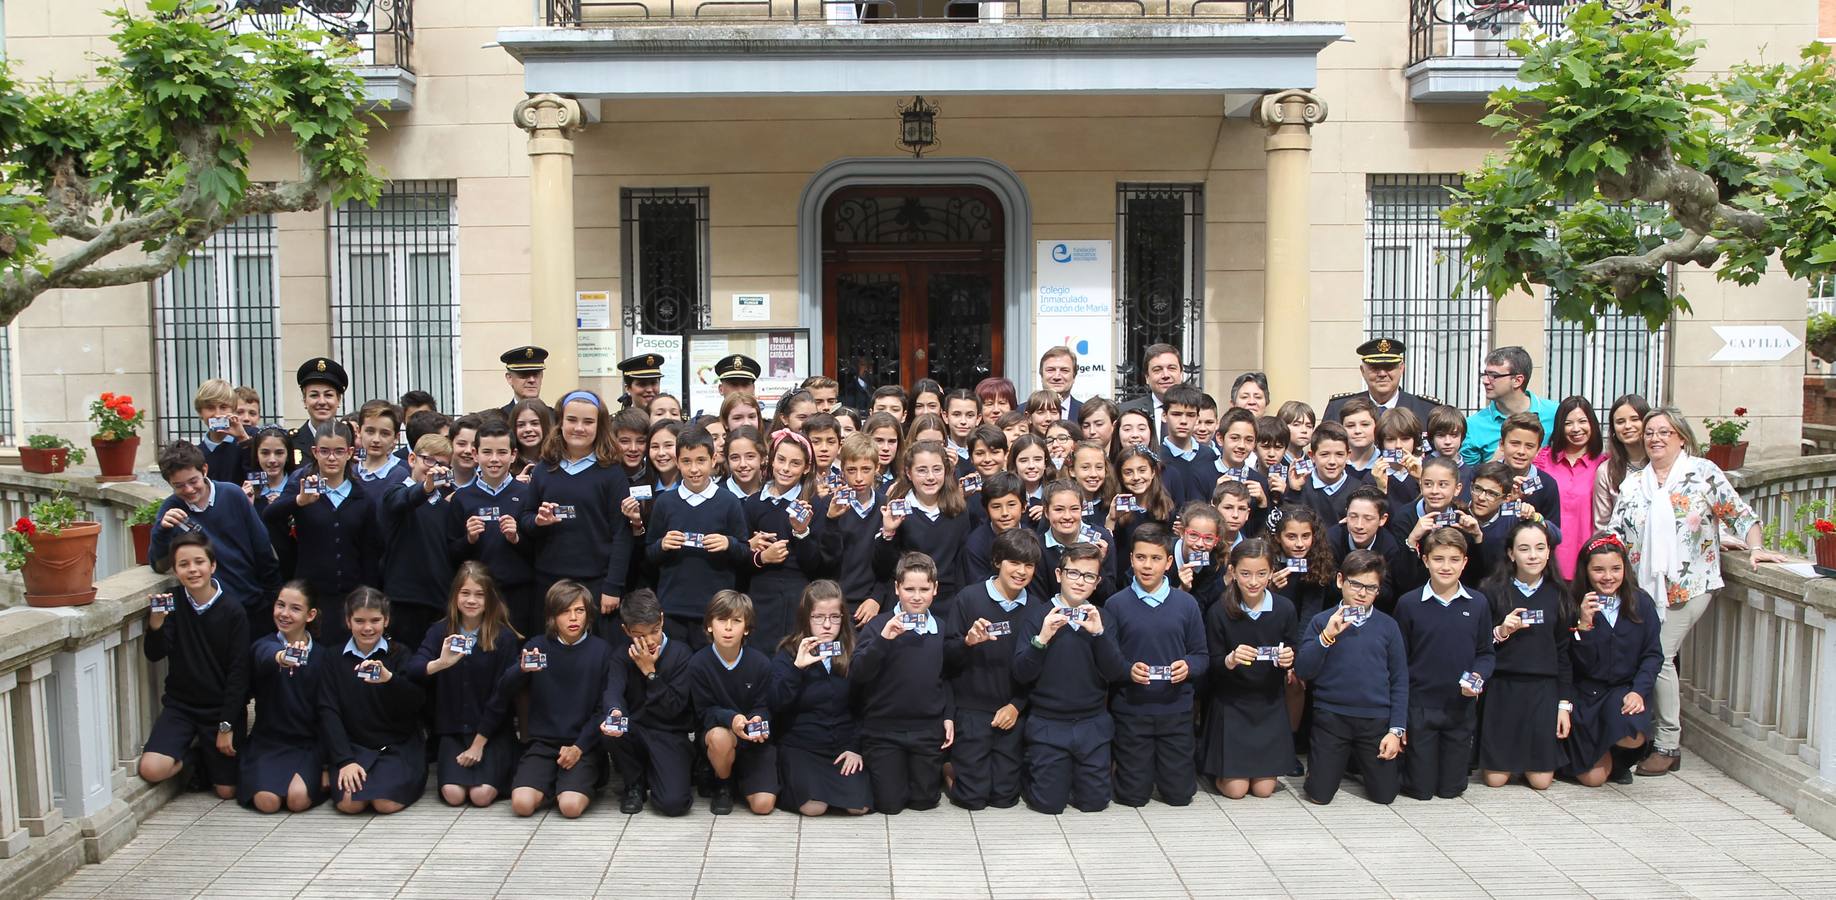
(1343, 396)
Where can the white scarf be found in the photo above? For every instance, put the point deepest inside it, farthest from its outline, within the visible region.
(1661, 563)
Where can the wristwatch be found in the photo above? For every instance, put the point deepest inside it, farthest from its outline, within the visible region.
(1038, 643)
(1399, 732)
(1566, 706)
(650, 675)
(225, 728)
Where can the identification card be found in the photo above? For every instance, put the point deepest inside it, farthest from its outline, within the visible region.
(219, 423)
(1533, 617)
(1075, 616)
(1304, 466)
(1160, 673)
(911, 621)
(161, 603)
(461, 643)
(534, 660)
(564, 513)
(1089, 535)
(255, 484)
(295, 655)
(1091, 506)
(1278, 475)
(642, 492)
(444, 479)
(1447, 518)
(1512, 508)
(370, 670)
(972, 483)
(759, 729)
(832, 480)
(828, 649)
(311, 484)
(1128, 504)
(1357, 615)
(999, 629)
(899, 507)
(1472, 682)
(1531, 483)
(1234, 473)
(615, 725)
(1199, 558)
(1297, 565)
(188, 525)
(695, 539)
(1271, 654)
(488, 513)
(799, 512)
(1394, 456)
(844, 494)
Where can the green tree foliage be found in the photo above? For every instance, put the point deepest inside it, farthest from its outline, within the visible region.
(153, 153)
(1620, 166)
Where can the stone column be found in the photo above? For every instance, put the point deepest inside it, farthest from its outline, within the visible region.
(1287, 312)
(551, 121)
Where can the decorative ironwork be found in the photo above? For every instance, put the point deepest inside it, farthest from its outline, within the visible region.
(7, 434)
(868, 319)
(1162, 229)
(913, 219)
(1481, 29)
(960, 340)
(592, 12)
(395, 300)
(664, 248)
(217, 316)
(1414, 270)
(918, 126)
(382, 30)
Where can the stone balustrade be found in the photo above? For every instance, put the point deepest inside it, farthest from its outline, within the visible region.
(110, 504)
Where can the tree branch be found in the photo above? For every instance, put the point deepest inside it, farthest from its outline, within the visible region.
(1627, 272)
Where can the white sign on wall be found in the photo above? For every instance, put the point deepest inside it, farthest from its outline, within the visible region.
(1754, 343)
(1074, 306)
(751, 307)
(668, 346)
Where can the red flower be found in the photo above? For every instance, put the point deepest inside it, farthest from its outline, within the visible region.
(25, 526)
(107, 398)
(129, 401)
(1740, 410)
(1825, 526)
(125, 411)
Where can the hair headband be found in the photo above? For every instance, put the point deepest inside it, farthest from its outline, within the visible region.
(584, 396)
(784, 434)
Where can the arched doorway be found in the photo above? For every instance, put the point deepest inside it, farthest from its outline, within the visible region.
(913, 283)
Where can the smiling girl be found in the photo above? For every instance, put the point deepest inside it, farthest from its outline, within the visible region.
(462, 655)
(935, 522)
(1247, 742)
(284, 763)
(370, 716)
(1532, 687)
(573, 518)
(787, 537)
(819, 758)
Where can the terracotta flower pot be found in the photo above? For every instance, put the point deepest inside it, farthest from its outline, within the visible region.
(1825, 547)
(44, 461)
(61, 569)
(143, 538)
(1728, 456)
(116, 458)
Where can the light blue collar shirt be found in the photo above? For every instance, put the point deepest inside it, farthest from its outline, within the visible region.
(1154, 597)
(1266, 604)
(730, 666)
(337, 495)
(382, 646)
(380, 472)
(210, 499)
(1334, 487)
(1459, 591)
(214, 597)
(1526, 589)
(1186, 455)
(930, 621)
(576, 466)
(734, 488)
(485, 486)
(994, 593)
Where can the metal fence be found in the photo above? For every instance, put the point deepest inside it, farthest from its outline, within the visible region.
(1620, 356)
(663, 246)
(1414, 269)
(216, 316)
(395, 293)
(381, 30)
(8, 434)
(1161, 233)
(595, 12)
(1483, 29)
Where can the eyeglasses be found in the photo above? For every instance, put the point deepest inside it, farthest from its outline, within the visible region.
(1662, 434)
(1059, 439)
(820, 618)
(1487, 493)
(1360, 588)
(1079, 576)
(1489, 377)
(331, 451)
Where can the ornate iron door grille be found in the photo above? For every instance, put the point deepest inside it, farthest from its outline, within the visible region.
(395, 293)
(1162, 262)
(664, 253)
(1414, 269)
(216, 317)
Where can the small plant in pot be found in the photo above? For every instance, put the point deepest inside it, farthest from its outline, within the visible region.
(140, 525)
(1725, 448)
(1812, 534)
(117, 436)
(55, 551)
(48, 454)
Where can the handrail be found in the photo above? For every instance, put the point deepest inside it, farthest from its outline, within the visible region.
(381, 30)
(1777, 488)
(587, 13)
(1483, 29)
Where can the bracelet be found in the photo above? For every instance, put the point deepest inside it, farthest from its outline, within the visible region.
(1498, 638)
(1326, 641)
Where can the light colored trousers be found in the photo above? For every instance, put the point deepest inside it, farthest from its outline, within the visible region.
(1667, 707)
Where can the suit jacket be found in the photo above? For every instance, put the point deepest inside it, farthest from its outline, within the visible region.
(1414, 403)
(1071, 406)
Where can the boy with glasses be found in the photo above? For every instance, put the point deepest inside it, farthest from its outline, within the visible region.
(1356, 662)
(1506, 379)
(1069, 659)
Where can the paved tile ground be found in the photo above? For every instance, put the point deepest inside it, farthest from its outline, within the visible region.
(1698, 833)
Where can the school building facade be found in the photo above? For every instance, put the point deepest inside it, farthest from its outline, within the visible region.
(903, 187)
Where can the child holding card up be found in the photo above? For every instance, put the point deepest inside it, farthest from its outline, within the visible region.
(1353, 656)
(989, 702)
(1162, 634)
(1252, 633)
(728, 682)
(907, 714)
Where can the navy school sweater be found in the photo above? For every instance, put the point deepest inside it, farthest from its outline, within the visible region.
(854, 568)
(246, 564)
(901, 680)
(809, 557)
(982, 676)
(226, 461)
(812, 708)
(687, 578)
(1045, 582)
(1400, 565)
(1364, 674)
(417, 566)
(1331, 507)
(1626, 653)
(461, 693)
(356, 715)
(1072, 676)
(594, 547)
(1535, 650)
(1260, 679)
(1546, 499)
(1191, 479)
(287, 700)
(207, 658)
(941, 539)
(1490, 556)
(1443, 644)
(662, 703)
(978, 554)
(510, 564)
(1158, 636)
(719, 694)
(339, 547)
(567, 700)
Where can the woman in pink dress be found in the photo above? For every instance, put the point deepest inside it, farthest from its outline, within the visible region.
(1573, 456)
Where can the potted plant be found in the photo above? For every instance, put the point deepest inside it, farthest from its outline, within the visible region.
(117, 436)
(55, 552)
(1812, 533)
(1725, 448)
(140, 524)
(48, 454)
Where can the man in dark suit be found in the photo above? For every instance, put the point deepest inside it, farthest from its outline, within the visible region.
(1380, 360)
(857, 386)
(523, 368)
(1057, 372)
(1163, 369)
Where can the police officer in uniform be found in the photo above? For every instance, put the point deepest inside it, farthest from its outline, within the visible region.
(1381, 364)
(733, 374)
(643, 379)
(523, 368)
(322, 385)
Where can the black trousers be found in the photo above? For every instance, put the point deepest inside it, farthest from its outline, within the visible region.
(659, 760)
(408, 622)
(1335, 742)
(986, 760)
(692, 631)
(1155, 752)
(1440, 746)
(1067, 760)
(523, 603)
(904, 767)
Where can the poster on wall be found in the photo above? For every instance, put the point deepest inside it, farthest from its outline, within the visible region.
(783, 355)
(1074, 306)
(592, 310)
(668, 346)
(598, 352)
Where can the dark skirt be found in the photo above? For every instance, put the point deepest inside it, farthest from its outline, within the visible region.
(1246, 737)
(269, 766)
(804, 775)
(493, 770)
(1517, 725)
(1597, 724)
(397, 773)
(775, 595)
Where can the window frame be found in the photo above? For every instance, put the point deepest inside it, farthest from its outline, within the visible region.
(1130, 380)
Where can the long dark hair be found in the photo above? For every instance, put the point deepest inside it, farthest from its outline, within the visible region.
(813, 593)
(336, 428)
(1504, 596)
(251, 456)
(1618, 460)
(1558, 441)
(1248, 548)
(1157, 502)
(1321, 570)
(1606, 544)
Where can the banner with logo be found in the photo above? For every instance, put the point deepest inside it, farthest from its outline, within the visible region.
(1074, 306)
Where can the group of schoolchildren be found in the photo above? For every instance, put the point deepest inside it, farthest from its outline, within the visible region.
(952, 593)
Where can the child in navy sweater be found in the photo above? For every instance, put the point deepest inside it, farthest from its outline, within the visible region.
(728, 682)
(1328, 487)
(572, 688)
(1162, 634)
(1069, 660)
(284, 763)
(334, 524)
(225, 436)
(417, 564)
(1192, 470)
(576, 491)
(854, 519)
(485, 525)
(1447, 631)
(935, 521)
(205, 642)
(1248, 742)
(1529, 701)
(370, 714)
(989, 702)
(1003, 509)
(1616, 661)
(819, 757)
(461, 657)
(690, 571)
(908, 713)
(655, 755)
(1064, 526)
(1354, 658)
(786, 539)
(221, 511)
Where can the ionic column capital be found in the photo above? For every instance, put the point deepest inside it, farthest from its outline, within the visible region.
(1289, 117)
(551, 121)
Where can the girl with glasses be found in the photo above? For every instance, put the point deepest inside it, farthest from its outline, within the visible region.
(819, 754)
(333, 520)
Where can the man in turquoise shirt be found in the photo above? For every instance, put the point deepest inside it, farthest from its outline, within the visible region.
(1507, 384)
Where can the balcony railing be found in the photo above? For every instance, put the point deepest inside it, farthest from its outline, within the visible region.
(614, 12)
(381, 30)
(1483, 29)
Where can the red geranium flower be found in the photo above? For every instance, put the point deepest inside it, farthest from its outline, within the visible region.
(25, 526)
(129, 401)
(1740, 410)
(1825, 526)
(107, 398)
(125, 411)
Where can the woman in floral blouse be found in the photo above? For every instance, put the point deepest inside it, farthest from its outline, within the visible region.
(1671, 514)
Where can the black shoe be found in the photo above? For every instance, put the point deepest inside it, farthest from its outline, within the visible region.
(1299, 770)
(634, 800)
(721, 803)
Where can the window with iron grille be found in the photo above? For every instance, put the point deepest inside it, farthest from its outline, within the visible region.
(8, 434)
(1621, 356)
(395, 293)
(215, 316)
(664, 254)
(1161, 233)
(1414, 267)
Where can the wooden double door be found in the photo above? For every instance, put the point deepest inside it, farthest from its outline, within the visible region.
(912, 284)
